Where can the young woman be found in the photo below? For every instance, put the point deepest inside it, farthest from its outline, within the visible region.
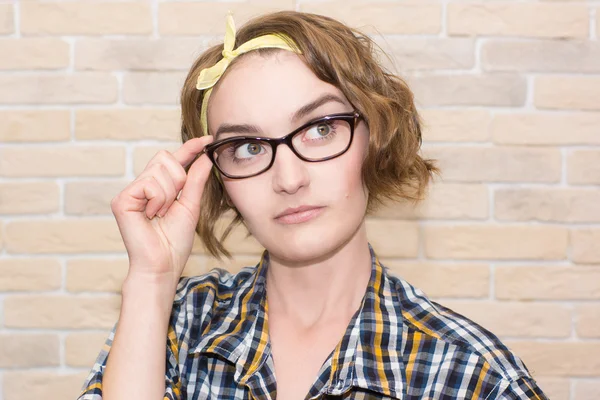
(306, 135)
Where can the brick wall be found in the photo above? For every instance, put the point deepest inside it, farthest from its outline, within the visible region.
(510, 236)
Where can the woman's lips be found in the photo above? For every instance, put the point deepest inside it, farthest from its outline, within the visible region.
(301, 216)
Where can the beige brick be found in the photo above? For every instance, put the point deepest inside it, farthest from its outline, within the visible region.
(516, 319)
(24, 350)
(1, 235)
(143, 154)
(61, 312)
(557, 358)
(468, 90)
(62, 161)
(443, 280)
(546, 129)
(588, 320)
(583, 167)
(458, 125)
(128, 124)
(29, 198)
(555, 388)
(92, 88)
(7, 19)
(567, 92)
(555, 205)
(81, 349)
(384, 235)
(518, 19)
(138, 54)
(426, 53)
(495, 242)
(442, 201)
(96, 275)
(234, 265)
(587, 389)
(153, 87)
(584, 243)
(208, 17)
(197, 264)
(31, 274)
(547, 282)
(35, 125)
(42, 385)
(496, 164)
(91, 197)
(597, 22)
(541, 55)
(382, 17)
(63, 236)
(86, 18)
(34, 53)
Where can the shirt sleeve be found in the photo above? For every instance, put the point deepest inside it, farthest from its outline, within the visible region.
(523, 388)
(92, 387)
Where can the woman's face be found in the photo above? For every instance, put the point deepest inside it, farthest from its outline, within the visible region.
(266, 92)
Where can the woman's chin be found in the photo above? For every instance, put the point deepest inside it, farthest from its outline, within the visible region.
(303, 245)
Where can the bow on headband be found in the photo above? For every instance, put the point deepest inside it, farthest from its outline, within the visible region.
(209, 76)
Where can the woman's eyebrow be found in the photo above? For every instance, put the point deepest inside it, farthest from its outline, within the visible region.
(313, 105)
(237, 128)
(299, 114)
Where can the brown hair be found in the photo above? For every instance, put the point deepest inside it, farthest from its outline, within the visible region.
(344, 57)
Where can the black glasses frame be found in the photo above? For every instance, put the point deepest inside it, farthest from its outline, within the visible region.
(351, 118)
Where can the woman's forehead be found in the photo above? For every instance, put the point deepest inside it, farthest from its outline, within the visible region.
(259, 86)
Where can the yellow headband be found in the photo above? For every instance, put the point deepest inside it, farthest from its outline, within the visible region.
(209, 76)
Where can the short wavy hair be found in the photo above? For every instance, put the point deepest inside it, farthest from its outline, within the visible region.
(345, 58)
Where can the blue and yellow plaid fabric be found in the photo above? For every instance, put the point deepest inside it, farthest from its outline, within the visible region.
(398, 345)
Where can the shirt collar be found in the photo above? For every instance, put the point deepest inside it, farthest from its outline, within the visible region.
(369, 356)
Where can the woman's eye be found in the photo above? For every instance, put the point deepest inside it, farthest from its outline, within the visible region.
(248, 150)
(319, 130)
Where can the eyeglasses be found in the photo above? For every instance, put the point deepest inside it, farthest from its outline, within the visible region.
(318, 140)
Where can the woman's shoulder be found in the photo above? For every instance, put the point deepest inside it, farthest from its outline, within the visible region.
(443, 324)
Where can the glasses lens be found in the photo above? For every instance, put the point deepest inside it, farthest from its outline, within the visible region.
(323, 139)
(243, 157)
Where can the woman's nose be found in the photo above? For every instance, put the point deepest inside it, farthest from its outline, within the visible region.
(289, 171)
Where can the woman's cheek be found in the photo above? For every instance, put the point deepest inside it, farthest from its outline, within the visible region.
(256, 207)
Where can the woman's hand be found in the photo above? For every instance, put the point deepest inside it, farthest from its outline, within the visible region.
(156, 221)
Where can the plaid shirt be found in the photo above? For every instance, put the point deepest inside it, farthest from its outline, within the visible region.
(398, 345)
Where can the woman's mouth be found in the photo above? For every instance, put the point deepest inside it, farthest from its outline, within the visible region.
(301, 216)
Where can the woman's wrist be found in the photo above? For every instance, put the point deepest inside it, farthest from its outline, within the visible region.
(157, 289)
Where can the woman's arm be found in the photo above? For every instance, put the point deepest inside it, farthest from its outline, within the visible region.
(135, 368)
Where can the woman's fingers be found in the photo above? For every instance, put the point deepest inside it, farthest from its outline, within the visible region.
(164, 176)
(146, 194)
(190, 149)
(156, 195)
(167, 171)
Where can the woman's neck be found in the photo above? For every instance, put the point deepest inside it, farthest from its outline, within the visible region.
(329, 289)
